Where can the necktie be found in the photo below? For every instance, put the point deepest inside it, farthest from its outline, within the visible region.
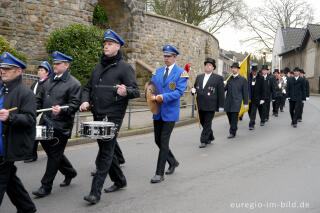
(166, 74)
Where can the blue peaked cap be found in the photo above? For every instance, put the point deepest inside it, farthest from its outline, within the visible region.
(9, 61)
(46, 65)
(170, 50)
(112, 36)
(59, 57)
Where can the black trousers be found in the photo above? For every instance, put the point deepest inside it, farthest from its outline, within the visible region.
(267, 108)
(12, 185)
(301, 112)
(35, 149)
(57, 161)
(295, 110)
(233, 121)
(162, 133)
(276, 105)
(107, 162)
(282, 101)
(206, 118)
(253, 107)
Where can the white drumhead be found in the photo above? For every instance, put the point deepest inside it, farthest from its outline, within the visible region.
(97, 123)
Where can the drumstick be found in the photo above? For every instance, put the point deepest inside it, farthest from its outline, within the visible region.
(13, 109)
(49, 109)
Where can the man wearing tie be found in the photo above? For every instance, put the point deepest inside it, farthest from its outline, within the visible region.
(171, 80)
(210, 98)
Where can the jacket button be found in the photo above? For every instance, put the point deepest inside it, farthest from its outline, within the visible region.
(3, 135)
(100, 79)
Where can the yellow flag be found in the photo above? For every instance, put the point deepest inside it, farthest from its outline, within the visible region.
(244, 71)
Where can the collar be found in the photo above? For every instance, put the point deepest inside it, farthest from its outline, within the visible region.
(171, 67)
(207, 75)
(296, 77)
(13, 83)
(235, 75)
(62, 77)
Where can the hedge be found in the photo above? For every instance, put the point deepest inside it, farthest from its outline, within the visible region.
(83, 43)
(6, 47)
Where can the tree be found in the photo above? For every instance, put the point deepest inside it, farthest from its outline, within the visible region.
(263, 21)
(210, 14)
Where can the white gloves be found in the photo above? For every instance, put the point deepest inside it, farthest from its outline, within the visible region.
(308, 98)
(245, 106)
(261, 102)
(225, 82)
(273, 100)
(221, 109)
(193, 90)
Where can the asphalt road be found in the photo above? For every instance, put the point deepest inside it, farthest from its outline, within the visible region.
(271, 169)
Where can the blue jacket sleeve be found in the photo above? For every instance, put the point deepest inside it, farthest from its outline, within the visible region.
(181, 86)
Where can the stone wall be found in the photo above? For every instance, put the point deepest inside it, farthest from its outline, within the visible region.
(193, 43)
(26, 24)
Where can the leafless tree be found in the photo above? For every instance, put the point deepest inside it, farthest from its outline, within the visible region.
(263, 21)
(210, 14)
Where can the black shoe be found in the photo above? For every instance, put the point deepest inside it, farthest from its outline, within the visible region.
(231, 136)
(281, 110)
(275, 115)
(261, 123)
(251, 127)
(30, 160)
(114, 188)
(294, 125)
(157, 179)
(67, 181)
(266, 120)
(202, 145)
(299, 120)
(92, 199)
(42, 192)
(171, 169)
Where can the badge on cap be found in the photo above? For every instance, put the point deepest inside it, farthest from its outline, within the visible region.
(5, 55)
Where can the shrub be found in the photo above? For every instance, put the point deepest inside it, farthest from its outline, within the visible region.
(83, 43)
(6, 47)
(100, 18)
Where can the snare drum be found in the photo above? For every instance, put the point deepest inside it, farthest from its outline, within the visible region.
(44, 133)
(98, 130)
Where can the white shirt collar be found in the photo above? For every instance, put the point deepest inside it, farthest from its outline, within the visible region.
(170, 68)
(206, 78)
(208, 75)
(296, 77)
(235, 75)
(58, 76)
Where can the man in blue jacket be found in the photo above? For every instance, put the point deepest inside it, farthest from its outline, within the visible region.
(171, 80)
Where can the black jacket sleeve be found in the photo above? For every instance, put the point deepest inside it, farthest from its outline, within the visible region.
(73, 99)
(26, 116)
(307, 89)
(245, 92)
(86, 92)
(130, 82)
(220, 91)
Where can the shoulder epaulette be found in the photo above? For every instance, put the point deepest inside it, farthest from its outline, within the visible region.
(184, 74)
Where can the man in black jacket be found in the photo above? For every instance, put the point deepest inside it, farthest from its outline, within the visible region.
(44, 70)
(210, 98)
(257, 96)
(61, 89)
(277, 94)
(17, 130)
(237, 92)
(268, 88)
(111, 85)
(307, 86)
(296, 90)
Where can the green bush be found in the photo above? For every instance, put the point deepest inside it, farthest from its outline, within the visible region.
(6, 47)
(83, 43)
(100, 18)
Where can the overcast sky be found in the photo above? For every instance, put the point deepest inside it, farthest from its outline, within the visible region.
(229, 38)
